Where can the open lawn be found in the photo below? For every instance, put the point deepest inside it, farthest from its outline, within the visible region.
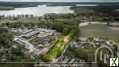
(58, 48)
(83, 53)
(100, 30)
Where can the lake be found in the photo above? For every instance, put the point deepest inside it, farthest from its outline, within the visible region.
(40, 10)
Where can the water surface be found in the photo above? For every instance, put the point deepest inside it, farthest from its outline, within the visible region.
(37, 11)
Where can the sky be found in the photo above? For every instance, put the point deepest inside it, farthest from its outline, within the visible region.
(62, 0)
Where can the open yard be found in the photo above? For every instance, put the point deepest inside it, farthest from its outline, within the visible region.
(58, 48)
(100, 30)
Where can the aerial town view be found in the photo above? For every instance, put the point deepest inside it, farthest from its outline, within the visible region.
(59, 33)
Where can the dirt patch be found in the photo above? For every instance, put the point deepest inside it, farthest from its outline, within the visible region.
(66, 39)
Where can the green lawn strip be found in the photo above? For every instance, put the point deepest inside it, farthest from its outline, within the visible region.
(58, 48)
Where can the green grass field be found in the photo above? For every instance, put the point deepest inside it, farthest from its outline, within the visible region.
(58, 47)
(83, 53)
(100, 30)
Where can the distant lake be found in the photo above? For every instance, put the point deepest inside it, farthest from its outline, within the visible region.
(37, 11)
